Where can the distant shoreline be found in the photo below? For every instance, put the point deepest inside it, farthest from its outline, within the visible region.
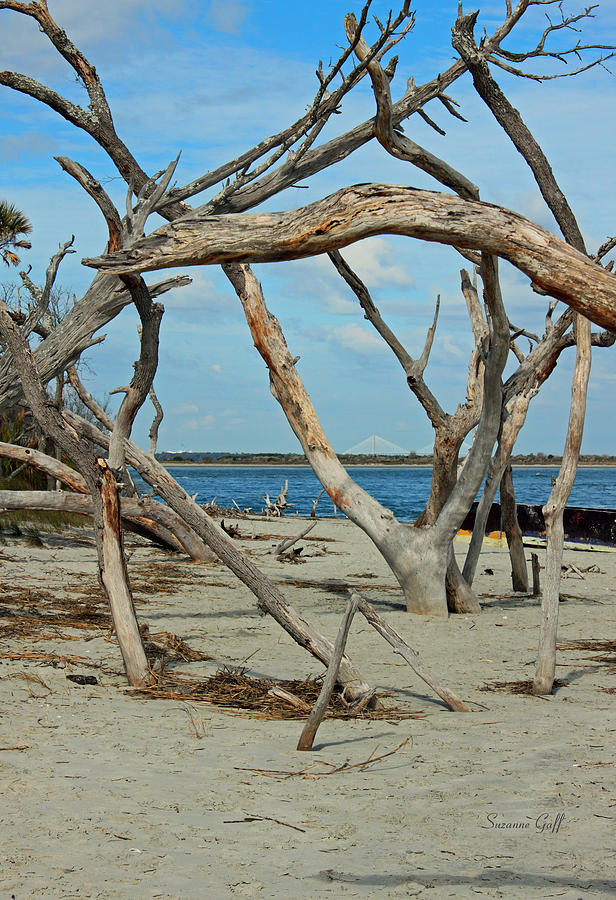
(167, 463)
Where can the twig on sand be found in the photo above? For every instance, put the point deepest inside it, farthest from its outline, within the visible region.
(262, 819)
(408, 654)
(333, 768)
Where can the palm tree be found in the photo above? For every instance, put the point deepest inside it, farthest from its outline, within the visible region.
(12, 224)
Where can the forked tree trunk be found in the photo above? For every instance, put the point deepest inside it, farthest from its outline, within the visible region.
(513, 532)
(460, 596)
(418, 557)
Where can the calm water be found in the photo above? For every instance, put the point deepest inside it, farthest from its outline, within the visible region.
(404, 490)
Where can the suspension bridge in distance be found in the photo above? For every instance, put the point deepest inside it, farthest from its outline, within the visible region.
(376, 446)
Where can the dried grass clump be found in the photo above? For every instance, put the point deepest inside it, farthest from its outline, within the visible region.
(234, 690)
(55, 660)
(518, 687)
(169, 647)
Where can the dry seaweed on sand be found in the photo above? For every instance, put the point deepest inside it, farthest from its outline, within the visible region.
(55, 660)
(602, 646)
(518, 687)
(593, 644)
(29, 610)
(169, 646)
(234, 690)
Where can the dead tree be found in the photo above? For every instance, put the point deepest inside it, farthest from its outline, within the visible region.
(269, 598)
(518, 391)
(515, 128)
(104, 491)
(417, 557)
(103, 476)
(262, 171)
(553, 513)
(214, 233)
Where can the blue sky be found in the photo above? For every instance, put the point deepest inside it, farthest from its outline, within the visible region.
(213, 78)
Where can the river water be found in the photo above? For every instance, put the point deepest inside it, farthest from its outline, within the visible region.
(403, 489)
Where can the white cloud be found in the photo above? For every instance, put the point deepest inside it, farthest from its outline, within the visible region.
(377, 263)
(228, 15)
(184, 408)
(202, 422)
(353, 336)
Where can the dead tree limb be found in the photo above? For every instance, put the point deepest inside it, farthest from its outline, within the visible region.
(270, 599)
(408, 654)
(319, 709)
(352, 214)
(284, 546)
(176, 534)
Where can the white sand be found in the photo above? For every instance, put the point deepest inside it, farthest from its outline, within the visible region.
(117, 797)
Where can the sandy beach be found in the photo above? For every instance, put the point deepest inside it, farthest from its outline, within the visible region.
(109, 795)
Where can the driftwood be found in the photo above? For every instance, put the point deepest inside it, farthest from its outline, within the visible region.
(315, 718)
(279, 505)
(103, 487)
(269, 598)
(408, 654)
(285, 545)
(144, 516)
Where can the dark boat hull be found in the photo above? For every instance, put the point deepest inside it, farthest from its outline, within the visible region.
(594, 527)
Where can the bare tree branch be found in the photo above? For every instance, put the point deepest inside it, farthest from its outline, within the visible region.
(396, 144)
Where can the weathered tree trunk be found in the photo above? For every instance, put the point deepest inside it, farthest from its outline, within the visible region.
(460, 596)
(447, 442)
(417, 560)
(418, 557)
(513, 532)
(114, 577)
(449, 430)
(553, 513)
